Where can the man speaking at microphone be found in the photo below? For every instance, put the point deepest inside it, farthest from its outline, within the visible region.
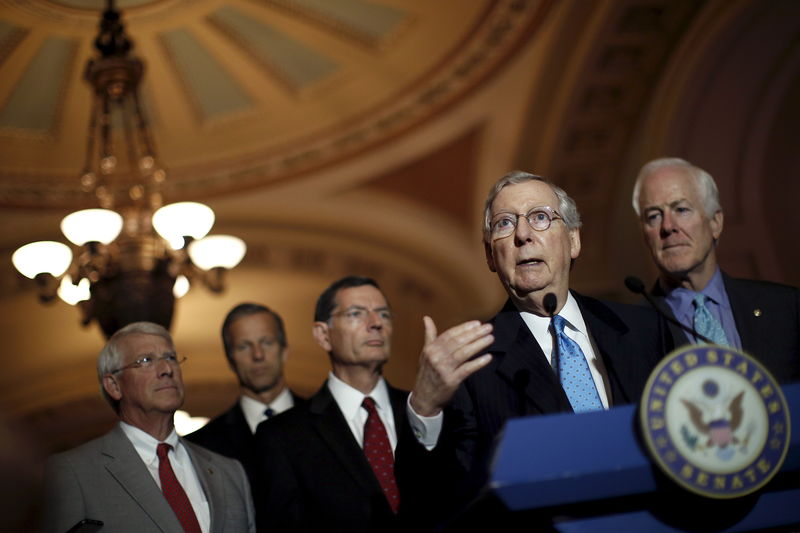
(554, 350)
(681, 219)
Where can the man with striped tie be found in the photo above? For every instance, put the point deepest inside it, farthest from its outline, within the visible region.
(681, 219)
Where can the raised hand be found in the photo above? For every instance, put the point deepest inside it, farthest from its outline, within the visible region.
(446, 361)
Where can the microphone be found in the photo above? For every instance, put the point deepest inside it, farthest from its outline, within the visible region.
(550, 302)
(636, 286)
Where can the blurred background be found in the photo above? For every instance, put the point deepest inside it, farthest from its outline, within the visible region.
(353, 136)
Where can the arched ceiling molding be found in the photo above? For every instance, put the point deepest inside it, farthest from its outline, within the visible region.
(584, 118)
(718, 104)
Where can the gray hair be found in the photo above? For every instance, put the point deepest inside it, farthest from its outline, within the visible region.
(566, 205)
(709, 194)
(111, 356)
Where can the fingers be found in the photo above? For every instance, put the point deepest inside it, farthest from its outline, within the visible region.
(430, 329)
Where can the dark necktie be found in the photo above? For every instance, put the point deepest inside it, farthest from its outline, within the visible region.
(174, 493)
(576, 378)
(379, 453)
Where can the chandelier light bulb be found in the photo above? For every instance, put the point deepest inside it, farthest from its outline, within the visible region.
(214, 251)
(100, 225)
(42, 257)
(183, 219)
(181, 286)
(71, 293)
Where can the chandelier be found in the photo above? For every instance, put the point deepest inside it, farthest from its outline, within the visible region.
(134, 255)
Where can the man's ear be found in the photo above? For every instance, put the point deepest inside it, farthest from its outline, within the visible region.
(574, 243)
(716, 223)
(321, 334)
(111, 387)
(489, 258)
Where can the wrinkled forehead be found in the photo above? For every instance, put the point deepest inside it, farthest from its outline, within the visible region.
(521, 197)
(669, 185)
(136, 344)
(366, 296)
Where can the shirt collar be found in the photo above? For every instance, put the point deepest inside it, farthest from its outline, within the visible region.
(539, 325)
(254, 410)
(681, 298)
(145, 444)
(349, 399)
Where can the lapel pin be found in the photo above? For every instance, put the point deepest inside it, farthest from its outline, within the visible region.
(756, 312)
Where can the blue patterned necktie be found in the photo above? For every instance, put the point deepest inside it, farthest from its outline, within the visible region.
(576, 378)
(705, 324)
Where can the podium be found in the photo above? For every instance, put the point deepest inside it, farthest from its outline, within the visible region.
(592, 473)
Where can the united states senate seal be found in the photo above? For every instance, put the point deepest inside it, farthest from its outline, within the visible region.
(715, 421)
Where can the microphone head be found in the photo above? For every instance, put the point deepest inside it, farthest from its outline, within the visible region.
(550, 302)
(634, 284)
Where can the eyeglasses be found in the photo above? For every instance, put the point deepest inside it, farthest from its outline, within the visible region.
(149, 361)
(539, 218)
(359, 315)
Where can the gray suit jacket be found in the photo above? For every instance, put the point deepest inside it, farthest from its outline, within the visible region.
(105, 479)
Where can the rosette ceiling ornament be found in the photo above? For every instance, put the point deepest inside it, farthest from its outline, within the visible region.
(134, 256)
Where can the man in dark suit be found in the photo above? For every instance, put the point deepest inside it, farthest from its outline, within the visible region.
(256, 348)
(552, 349)
(330, 465)
(141, 476)
(682, 219)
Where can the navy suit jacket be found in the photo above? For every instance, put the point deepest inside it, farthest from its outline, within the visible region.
(767, 317)
(519, 381)
(229, 435)
(313, 476)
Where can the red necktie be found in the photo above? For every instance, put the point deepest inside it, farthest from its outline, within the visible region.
(174, 493)
(379, 453)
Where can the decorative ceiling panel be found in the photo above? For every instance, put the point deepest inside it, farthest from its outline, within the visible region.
(212, 91)
(242, 94)
(34, 103)
(291, 61)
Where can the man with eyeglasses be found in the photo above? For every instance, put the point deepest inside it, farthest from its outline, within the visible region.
(141, 476)
(330, 465)
(681, 220)
(553, 350)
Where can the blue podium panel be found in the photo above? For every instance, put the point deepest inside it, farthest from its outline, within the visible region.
(565, 460)
(568, 458)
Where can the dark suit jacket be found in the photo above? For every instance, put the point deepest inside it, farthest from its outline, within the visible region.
(105, 479)
(767, 317)
(313, 475)
(230, 435)
(520, 382)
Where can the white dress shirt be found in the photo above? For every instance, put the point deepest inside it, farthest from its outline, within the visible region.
(349, 401)
(576, 330)
(254, 410)
(181, 463)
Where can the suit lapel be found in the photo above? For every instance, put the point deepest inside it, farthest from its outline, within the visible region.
(210, 482)
(743, 316)
(125, 465)
(524, 366)
(329, 422)
(609, 332)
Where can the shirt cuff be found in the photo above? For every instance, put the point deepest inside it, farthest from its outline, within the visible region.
(426, 428)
